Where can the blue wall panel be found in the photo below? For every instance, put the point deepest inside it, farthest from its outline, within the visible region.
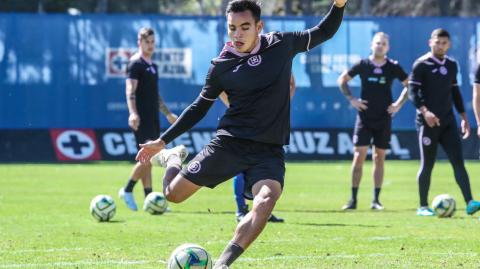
(59, 71)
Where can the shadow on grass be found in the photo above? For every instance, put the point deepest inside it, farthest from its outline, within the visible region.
(203, 212)
(342, 225)
(366, 210)
(111, 221)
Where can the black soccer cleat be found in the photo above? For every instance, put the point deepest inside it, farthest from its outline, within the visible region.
(351, 205)
(275, 219)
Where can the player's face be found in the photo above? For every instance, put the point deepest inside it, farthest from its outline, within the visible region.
(439, 46)
(243, 31)
(380, 46)
(147, 45)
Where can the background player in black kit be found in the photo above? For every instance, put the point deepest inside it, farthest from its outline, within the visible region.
(432, 89)
(254, 70)
(143, 102)
(476, 98)
(375, 111)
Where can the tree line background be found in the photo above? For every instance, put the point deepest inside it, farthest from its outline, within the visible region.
(270, 7)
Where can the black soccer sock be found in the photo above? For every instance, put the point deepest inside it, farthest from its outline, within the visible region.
(147, 191)
(131, 183)
(231, 252)
(376, 194)
(354, 193)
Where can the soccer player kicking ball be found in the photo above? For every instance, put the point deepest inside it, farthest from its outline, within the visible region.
(375, 111)
(239, 180)
(432, 89)
(254, 70)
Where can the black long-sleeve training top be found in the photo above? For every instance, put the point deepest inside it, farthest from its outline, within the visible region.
(257, 85)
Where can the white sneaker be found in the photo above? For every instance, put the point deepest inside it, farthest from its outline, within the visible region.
(128, 198)
(161, 158)
(376, 206)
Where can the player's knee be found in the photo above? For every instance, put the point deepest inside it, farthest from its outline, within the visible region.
(173, 197)
(377, 158)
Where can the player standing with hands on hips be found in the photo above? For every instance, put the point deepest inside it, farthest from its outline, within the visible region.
(375, 111)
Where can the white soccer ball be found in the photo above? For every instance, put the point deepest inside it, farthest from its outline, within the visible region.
(155, 203)
(444, 205)
(102, 207)
(190, 256)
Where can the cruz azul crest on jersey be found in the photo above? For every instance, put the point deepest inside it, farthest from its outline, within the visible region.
(443, 70)
(255, 60)
(194, 167)
(426, 141)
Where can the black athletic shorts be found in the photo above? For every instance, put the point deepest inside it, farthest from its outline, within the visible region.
(148, 130)
(378, 130)
(225, 156)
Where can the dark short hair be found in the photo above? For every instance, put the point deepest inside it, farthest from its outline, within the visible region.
(145, 32)
(439, 32)
(244, 5)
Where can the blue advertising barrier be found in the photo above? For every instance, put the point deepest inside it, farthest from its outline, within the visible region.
(60, 71)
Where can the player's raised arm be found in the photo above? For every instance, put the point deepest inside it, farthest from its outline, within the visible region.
(310, 38)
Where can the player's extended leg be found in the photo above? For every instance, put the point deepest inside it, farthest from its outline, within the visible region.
(176, 188)
(378, 158)
(359, 155)
(180, 189)
(238, 188)
(126, 193)
(428, 153)
(266, 193)
(452, 145)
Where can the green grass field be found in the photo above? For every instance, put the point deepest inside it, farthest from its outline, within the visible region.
(45, 222)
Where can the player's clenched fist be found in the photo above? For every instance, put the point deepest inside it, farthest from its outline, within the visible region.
(340, 3)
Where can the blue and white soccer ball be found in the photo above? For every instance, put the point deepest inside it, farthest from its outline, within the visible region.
(102, 207)
(444, 205)
(155, 203)
(190, 256)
